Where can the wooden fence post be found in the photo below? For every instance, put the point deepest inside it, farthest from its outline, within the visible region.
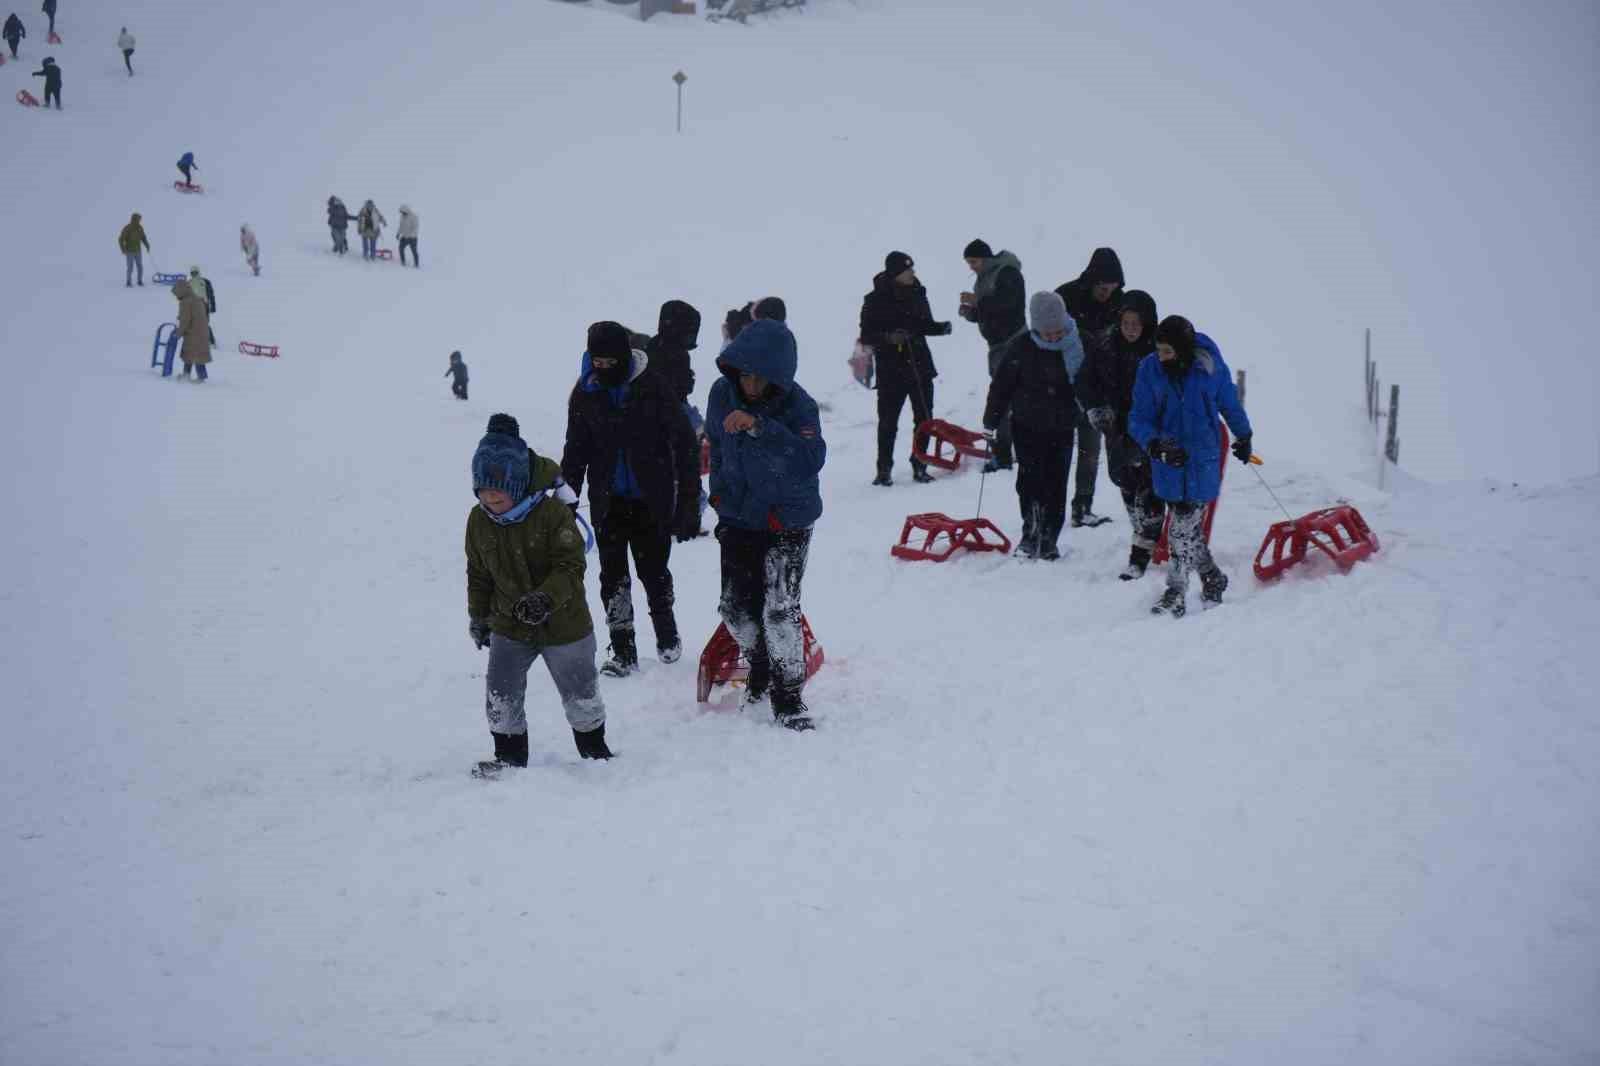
(1240, 386)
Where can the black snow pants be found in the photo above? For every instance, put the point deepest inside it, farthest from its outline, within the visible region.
(127, 59)
(1042, 459)
(409, 242)
(12, 41)
(459, 389)
(893, 392)
(629, 527)
(761, 575)
(1130, 472)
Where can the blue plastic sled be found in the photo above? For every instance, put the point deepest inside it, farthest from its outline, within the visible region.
(168, 279)
(171, 343)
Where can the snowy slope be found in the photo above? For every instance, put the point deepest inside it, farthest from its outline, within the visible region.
(1339, 820)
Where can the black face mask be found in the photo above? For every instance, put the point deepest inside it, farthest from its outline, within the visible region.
(1178, 365)
(615, 375)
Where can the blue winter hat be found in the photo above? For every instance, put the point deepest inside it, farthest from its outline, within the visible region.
(501, 461)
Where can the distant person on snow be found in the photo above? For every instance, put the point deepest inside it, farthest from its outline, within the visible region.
(202, 287)
(125, 43)
(1105, 390)
(525, 595)
(767, 454)
(896, 323)
(251, 249)
(996, 304)
(677, 334)
(194, 326)
(407, 232)
(131, 240)
(13, 33)
(628, 435)
(187, 167)
(1094, 300)
(49, 9)
(1177, 395)
(52, 81)
(457, 370)
(1031, 382)
(339, 224)
(369, 224)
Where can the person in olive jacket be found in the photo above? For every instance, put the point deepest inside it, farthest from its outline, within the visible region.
(525, 596)
(1033, 384)
(896, 323)
(628, 435)
(133, 243)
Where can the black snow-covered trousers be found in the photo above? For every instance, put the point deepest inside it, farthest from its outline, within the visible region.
(1186, 539)
(1042, 459)
(409, 242)
(12, 41)
(1130, 472)
(630, 528)
(459, 389)
(893, 392)
(761, 576)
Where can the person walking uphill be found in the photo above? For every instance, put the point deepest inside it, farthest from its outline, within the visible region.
(339, 224)
(131, 240)
(13, 32)
(767, 454)
(1177, 395)
(194, 326)
(51, 73)
(125, 45)
(996, 305)
(1033, 383)
(1094, 300)
(458, 371)
(525, 597)
(627, 433)
(407, 232)
(49, 10)
(369, 224)
(896, 323)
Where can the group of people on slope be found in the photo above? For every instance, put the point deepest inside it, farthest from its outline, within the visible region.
(132, 242)
(630, 436)
(370, 224)
(1067, 367)
(15, 32)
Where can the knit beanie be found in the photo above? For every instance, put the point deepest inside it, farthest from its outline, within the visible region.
(978, 250)
(501, 461)
(1177, 331)
(679, 322)
(610, 340)
(897, 263)
(771, 307)
(1047, 312)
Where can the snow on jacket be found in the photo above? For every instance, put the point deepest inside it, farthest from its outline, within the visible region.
(132, 236)
(767, 477)
(370, 222)
(125, 42)
(194, 324)
(1186, 410)
(408, 223)
(338, 214)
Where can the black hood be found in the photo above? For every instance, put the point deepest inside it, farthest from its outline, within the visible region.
(1103, 266)
(1145, 304)
(680, 324)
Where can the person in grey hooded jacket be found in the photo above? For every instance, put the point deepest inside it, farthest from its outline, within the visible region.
(407, 233)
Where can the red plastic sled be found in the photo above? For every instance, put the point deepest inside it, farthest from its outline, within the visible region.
(55, 38)
(27, 99)
(722, 664)
(968, 533)
(269, 351)
(939, 433)
(1340, 533)
(1162, 554)
(384, 253)
(186, 187)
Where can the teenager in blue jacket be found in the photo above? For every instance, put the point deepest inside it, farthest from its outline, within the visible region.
(1177, 397)
(767, 452)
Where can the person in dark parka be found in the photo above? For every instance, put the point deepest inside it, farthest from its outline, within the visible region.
(767, 453)
(677, 334)
(628, 435)
(51, 73)
(896, 323)
(1094, 300)
(187, 166)
(49, 9)
(13, 33)
(457, 370)
(339, 224)
(1105, 391)
(996, 303)
(1033, 384)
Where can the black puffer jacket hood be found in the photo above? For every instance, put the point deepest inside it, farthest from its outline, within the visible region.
(1103, 266)
(1142, 302)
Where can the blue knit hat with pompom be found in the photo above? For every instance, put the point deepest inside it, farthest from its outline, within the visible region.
(501, 461)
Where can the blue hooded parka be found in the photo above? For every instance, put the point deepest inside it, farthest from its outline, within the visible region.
(1186, 411)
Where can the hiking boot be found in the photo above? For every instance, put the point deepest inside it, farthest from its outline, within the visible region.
(1048, 552)
(1083, 515)
(509, 750)
(1138, 562)
(883, 479)
(994, 465)
(624, 657)
(1172, 602)
(920, 475)
(794, 715)
(592, 745)
(672, 653)
(1212, 585)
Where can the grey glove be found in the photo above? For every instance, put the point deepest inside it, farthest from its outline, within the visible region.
(534, 609)
(478, 629)
(1102, 419)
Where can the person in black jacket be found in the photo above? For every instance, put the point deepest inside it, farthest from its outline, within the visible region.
(996, 305)
(677, 334)
(627, 433)
(1105, 391)
(339, 224)
(13, 33)
(52, 82)
(896, 323)
(458, 370)
(49, 9)
(1094, 300)
(1032, 383)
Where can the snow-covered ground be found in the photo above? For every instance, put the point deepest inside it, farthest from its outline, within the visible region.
(1339, 820)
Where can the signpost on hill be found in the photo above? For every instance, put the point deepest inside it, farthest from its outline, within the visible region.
(679, 78)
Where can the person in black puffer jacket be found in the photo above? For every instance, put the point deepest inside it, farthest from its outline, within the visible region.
(896, 323)
(628, 434)
(1032, 383)
(1105, 390)
(677, 334)
(1094, 300)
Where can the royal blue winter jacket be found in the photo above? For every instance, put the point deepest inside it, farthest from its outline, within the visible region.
(186, 160)
(768, 477)
(1186, 411)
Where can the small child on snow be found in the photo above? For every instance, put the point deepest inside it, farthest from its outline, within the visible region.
(458, 370)
(525, 595)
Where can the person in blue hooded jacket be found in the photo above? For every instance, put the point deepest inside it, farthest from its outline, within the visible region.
(187, 166)
(767, 453)
(1178, 394)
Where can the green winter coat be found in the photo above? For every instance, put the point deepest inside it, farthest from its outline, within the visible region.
(132, 236)
(542, 553)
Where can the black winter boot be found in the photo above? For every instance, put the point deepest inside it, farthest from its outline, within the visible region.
(1138, 562)
(884, 478)
(1173, 602)
(592, 745)
(669, 649)
(919, 474)
(510, 749)
(624, 657)
(790, 711)
(1213, 584)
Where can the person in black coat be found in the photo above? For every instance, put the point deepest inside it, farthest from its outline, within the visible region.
(896, 323)
(996, 304)
(628, 434)
(1094, 300)
(1105, 391)
(677, 334)
(52, 82)
(13, 33)
(49, 9)
(1032, 383)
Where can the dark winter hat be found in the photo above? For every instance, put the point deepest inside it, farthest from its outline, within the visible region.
(978, 250)
(501, 461)
(771, 307)
(1144, 305)
(1104, 266)
(455, 357)
(735, 322)
(897, 263)
(610, 340)
(1177, 331)
(679, 322)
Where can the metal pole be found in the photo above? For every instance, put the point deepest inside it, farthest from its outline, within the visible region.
(1392, 447)
(680, 107)
(1241, 388)
(1369, 376)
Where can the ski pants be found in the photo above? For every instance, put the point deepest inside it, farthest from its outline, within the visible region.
(1042, 458)
(52, 16)
(369, 246)
(761, 575)
(409, 242)
(135, 260)
(12, 41)
(572, 669)
(127, 59)
(1130, 471)
(1002, 429)
(1186, 539)
(459, 389)
(629, 527)
(893, 392)
(54, 94)
(188, 178)
(341, 239)
(1088, 462)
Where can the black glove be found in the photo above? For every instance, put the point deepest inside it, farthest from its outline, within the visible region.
(534, 609)
(478, 629)
(687, 526)
(1241, 449)
(1103, 419)
(940, 329)
(1169, 452)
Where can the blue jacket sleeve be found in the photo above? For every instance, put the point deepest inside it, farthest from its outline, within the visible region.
(799, 434)
(1143, 419)
(716, 411)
